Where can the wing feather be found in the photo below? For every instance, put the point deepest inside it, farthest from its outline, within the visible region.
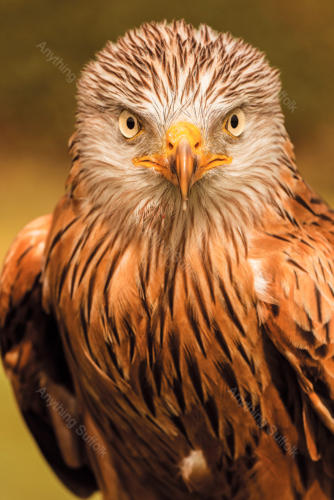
(298, 312)
(34, 360)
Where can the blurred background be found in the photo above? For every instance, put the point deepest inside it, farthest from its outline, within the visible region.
(44, 46)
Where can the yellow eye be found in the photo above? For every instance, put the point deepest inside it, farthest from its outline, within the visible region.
(128, 124)
(235, 122)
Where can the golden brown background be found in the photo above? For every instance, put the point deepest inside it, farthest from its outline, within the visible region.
(37, 108)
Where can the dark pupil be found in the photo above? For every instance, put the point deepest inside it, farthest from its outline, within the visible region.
(130, 123)
(234, 121)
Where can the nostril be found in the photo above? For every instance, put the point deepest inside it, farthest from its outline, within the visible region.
(173, 168)
(197, 145)
(170, 145)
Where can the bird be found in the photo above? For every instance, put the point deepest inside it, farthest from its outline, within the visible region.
(168, 329)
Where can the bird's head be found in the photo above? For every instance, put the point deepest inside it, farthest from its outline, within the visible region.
(181, 118)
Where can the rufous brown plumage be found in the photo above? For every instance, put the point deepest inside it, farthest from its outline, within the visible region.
(168, 330)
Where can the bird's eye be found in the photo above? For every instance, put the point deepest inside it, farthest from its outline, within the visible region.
(128, 124)
(235, 122)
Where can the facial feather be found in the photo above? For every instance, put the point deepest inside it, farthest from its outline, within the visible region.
(166, 73)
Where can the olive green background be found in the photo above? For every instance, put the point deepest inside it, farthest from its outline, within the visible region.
(37, 110)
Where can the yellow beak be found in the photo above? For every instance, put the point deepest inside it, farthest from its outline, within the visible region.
(183, 160)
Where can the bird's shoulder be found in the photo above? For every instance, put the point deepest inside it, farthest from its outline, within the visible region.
(299, 244)
(22, 266)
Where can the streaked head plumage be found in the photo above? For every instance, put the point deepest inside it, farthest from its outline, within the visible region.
(162, 76)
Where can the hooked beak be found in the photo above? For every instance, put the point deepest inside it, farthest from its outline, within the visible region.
(184, 165)
(183, 160)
